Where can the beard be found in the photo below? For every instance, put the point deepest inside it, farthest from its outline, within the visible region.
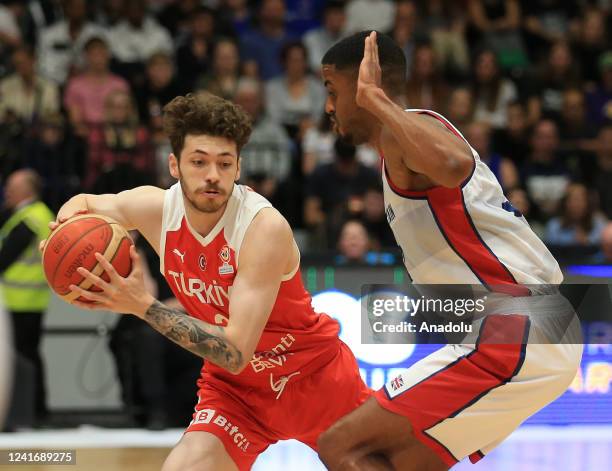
(204, 205)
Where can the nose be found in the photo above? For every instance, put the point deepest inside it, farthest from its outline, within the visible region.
(212, 176)
(329, 106)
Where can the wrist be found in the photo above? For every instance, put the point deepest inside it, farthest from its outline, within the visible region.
(146, 302)
(368, 96)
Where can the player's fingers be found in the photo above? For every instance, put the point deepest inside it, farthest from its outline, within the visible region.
(108, 268)
(375, 45)
(368, 48)
(96, 280)
(89, 306)
(41, 246)
(89, 295)
(53, 225)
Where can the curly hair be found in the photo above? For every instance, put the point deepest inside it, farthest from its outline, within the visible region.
(206, 114)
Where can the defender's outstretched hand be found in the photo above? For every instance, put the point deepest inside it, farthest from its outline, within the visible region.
(122, 295)
(369, 71)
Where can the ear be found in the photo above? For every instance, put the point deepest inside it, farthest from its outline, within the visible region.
(173, 166)
(238, 169)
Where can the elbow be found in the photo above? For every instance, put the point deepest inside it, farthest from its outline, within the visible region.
(459, 169)
(237, 368)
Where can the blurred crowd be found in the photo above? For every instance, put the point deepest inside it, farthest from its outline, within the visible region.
(529, 84)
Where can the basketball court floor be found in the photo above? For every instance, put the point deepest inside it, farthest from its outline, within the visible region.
(531, 448)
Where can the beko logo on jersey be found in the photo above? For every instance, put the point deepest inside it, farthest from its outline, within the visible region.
(206, 293)
(205, 416)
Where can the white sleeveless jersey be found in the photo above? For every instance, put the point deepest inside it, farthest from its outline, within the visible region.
(466, 235)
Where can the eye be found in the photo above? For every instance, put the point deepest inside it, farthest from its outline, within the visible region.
(197, 163)
(226, 164)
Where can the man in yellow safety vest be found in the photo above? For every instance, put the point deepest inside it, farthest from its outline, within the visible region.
(25, 293)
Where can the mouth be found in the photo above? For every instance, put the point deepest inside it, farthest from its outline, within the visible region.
(209, 193)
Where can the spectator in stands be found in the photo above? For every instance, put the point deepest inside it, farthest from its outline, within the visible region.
(600, 99)
(426, 89)
(266, 159)
(497, 25)
(176, 16)
(557, 73)
(10, 36)
(135, 39)
(260, 47)
(237, 14)
(374, 219)
(513, 140)
(355, 246)
(591, 44)
(110, 12)
(544, 174)
(120, 152)
(353, 243)
(54, 151)
(193, 52)
(578, 223)
(86, 94)
(335, 190)
(60, 45)
(370, 14)
(296, 98)
(25, 92)
(160, 87)
(460, 107)
(25, 293)
(318, 41)
(605, 256)
(318, 147)
(479, 136)
(404, 29)
(577, 137)
(445, 20)
(223, 78)
(603, 182)
(492, 92)
(548, 21)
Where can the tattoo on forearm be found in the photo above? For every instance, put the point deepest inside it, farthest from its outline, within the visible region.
(205, 340)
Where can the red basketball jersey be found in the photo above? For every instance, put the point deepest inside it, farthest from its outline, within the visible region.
(200, 272)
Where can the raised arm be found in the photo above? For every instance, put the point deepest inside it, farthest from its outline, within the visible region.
(423, 144)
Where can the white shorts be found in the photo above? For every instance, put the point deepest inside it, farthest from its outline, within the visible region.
(463, 400)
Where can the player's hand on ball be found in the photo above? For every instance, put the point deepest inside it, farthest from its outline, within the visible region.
(123, 295)
(59, 221)
(370, 74)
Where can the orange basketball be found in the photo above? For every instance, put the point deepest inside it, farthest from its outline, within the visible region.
(74, 244)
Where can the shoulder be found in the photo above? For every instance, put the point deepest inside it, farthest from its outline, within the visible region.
(270, 227)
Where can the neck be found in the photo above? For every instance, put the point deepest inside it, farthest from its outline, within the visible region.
(200, 221)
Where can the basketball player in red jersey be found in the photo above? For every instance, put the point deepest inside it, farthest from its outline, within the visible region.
(454, 225)
(274, 368)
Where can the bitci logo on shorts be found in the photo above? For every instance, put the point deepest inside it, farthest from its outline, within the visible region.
(206, 416)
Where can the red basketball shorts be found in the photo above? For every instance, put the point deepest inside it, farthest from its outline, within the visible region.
(248, 420)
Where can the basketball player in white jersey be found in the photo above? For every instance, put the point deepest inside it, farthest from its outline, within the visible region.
(454, 226)
(272, 363)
